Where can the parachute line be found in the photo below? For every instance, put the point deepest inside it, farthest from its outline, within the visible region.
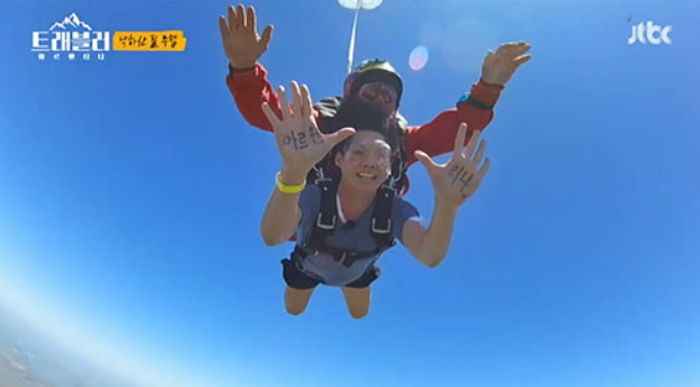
(353, 34)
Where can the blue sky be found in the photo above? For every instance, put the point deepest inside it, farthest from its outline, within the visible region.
(131, 192)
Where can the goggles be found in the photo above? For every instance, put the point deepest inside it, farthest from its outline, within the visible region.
(374, 90)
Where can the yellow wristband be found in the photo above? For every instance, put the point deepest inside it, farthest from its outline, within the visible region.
(288, 189)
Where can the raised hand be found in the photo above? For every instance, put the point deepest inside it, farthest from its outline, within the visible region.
(300, 143)
(242, 44)
(499, 66)
(455, 181)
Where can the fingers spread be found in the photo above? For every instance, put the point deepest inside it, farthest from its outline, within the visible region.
(521, 59)
(427, 162)
(223, 27)
(511, 50)
(296, 99)
(481, 150)
(340, 135)
(489, 58)
(471, 145)
(270, 114)
(266, 36)
(231, 12)
(523, 47)
(284, 106)
(484, 168)
(251, 19)
(240, 12)
(514, 49)
(507, 47)
(459, 140)
(305, 99)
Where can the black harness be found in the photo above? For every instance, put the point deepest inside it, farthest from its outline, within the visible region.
(327, 219)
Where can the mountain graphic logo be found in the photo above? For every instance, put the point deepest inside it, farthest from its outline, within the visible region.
(73, 39)
(72, 23)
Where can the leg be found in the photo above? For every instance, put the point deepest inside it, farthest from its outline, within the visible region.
(357, 300)
(299, 288)
(295, 300)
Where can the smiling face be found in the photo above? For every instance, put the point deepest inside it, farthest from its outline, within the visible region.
(366, 162)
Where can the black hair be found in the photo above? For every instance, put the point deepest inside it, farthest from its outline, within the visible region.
(362, 115)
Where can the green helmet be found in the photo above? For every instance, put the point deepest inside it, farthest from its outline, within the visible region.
(373, 70)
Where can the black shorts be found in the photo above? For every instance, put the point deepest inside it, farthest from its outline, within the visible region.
(297, 279)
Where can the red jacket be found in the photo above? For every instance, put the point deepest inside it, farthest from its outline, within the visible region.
(250, 88)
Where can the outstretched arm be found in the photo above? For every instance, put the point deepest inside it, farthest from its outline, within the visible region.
(301, 146)
(247, 79)
(499, 66)
(250, 89)
(429, 245)
(453, 182)
(475, 109)
(242, 44)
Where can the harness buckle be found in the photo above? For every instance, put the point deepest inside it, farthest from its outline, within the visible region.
(391, 186)
(378, 230)
(321, 224)
(321, 179)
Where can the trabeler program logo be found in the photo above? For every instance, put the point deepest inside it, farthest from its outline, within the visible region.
(73, 39)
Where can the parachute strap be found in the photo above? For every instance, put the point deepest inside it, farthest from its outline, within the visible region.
(297, 257)
(381, 218)
(398, 180)
(327, 214)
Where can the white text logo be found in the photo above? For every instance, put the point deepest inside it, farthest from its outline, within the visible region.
(649, 32)
(72, 37)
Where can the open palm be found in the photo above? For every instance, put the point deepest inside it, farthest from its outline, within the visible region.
(455, 181)
(242, 44)
(300, 143)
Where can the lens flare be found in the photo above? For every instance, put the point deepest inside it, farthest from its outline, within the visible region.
(418, 58)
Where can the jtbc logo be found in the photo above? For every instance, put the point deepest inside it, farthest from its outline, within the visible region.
(649, 32)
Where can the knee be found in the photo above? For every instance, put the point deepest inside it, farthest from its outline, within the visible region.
(295, 310)
(358, 314)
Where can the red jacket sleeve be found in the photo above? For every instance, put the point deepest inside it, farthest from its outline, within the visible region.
(437, 137)
(250, 88)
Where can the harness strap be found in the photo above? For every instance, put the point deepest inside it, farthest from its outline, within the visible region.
(326, 221)
(344, 257)
(327, 214)
(381, 225)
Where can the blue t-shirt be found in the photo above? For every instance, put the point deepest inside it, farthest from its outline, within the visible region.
(352, 236)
